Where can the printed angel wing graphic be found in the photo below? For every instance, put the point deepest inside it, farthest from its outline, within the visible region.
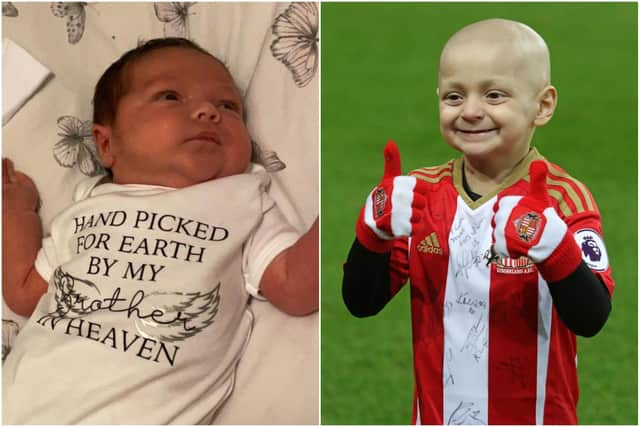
(175, 16)
(181, 315)
(166, 316)
(9, 10)
(75, 16)
(72, 294)
(76, 148)
(296, 43)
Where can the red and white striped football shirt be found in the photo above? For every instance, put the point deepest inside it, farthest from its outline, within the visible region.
(488, 344)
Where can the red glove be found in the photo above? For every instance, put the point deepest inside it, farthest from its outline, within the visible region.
(529, 226)
(393, 209)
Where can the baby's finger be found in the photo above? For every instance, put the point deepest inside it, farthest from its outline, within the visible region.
(5, 172)
(8, 172)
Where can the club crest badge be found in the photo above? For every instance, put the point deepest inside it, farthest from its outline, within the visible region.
(522, 265)
(593, 250)
(527, 226)
(379, 202)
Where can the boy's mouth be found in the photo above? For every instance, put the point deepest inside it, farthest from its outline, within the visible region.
(477, 134)
(476, 131)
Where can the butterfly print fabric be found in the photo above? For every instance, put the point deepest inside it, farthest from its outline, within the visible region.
(9, 10)
(75, 16)
(296, 42)
(76, 148)
(175, 16)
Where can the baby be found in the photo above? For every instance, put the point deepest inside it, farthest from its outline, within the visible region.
(499, 245)
(140, 294)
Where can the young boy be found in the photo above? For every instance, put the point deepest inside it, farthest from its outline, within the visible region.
(502, 247)
(140, 295)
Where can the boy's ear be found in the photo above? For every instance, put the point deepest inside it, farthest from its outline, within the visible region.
(547, 101)
(102, 137)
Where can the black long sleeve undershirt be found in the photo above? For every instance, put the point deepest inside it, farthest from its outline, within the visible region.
(581, 300)
(366, 281)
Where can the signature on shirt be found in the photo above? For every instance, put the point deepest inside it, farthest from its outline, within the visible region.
(465, 414)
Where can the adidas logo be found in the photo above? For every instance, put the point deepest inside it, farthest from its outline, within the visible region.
(430, 245)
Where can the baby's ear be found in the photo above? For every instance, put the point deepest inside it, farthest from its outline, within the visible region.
(547, 101)
(102, 138)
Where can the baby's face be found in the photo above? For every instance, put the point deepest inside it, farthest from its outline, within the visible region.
(180, 122)
(487, 102)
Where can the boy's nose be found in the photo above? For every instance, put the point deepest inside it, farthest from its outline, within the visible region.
(472, 109)
(206, 111)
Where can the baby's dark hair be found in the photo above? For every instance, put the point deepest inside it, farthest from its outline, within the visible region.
(112, 85)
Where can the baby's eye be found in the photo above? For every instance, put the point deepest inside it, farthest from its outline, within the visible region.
(230, 105)
(169, 95)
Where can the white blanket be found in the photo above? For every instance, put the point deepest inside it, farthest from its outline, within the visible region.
(22, 75)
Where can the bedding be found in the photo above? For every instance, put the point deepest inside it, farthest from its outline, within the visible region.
(272, 51)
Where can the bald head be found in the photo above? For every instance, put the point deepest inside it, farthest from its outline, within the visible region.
(516, 43)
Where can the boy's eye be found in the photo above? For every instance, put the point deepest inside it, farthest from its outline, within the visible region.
(453, 98)
(495, 95)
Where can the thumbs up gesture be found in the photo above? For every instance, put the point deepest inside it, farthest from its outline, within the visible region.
(529, 226)
(393, 209)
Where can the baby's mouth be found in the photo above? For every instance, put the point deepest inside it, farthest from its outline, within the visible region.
(206, 136)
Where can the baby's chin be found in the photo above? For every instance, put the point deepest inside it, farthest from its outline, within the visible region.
(183, 175)
(168, 180)
(207, 175)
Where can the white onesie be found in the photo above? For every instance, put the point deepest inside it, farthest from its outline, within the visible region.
(146, 315)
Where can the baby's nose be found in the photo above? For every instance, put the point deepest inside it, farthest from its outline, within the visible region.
(206, 111)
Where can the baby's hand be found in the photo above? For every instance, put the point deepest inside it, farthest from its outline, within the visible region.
(394, 208)
(19, 193)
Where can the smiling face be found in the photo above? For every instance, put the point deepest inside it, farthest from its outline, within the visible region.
(491, 98)
(180, 122)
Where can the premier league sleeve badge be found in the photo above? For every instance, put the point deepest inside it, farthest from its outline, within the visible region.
(593, 250)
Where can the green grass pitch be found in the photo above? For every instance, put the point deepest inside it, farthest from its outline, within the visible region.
(379, 70)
